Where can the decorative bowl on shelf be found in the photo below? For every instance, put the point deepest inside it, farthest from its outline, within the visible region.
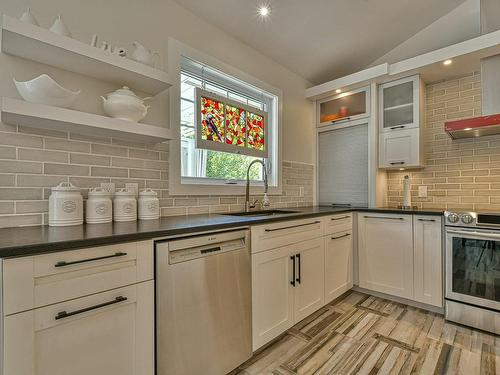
(44, 90)
(123, 104)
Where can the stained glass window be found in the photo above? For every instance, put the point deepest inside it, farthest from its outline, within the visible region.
(212, 120)
(224, 124)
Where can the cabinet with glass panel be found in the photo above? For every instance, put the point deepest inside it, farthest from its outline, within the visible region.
(400, 115)
(343, 107)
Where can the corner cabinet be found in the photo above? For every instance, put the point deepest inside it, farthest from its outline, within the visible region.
(343, 107)
(385, 252)
(400, 123)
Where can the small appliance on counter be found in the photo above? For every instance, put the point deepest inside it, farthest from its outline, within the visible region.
(65, 205)
(148, 205)
(99, 207)
(125, 206)
(473, 269)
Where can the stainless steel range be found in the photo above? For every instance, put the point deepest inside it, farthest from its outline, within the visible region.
(473, 269)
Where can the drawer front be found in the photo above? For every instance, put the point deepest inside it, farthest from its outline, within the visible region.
(41, 280)
(338, 223)
(271, 236)
(114, 328)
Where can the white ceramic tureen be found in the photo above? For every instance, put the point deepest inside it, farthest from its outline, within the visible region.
(125, 105)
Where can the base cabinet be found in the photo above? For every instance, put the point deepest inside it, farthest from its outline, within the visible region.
(110, 333)
(338, 265)
(287, 286)
(385, 251)
(428, 260)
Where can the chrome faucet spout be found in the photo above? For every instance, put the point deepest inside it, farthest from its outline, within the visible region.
(248, 206)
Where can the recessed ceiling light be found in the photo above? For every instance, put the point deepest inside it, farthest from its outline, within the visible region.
(401, 169)
(264, 10)
(447, 62)
(338, 91)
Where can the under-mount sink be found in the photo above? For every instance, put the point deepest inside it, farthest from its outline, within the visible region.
(262, 213)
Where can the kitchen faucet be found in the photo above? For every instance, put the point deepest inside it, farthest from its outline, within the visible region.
(249, 206)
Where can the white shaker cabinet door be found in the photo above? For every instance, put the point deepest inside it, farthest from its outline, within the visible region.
(272, 294)
(309, 277)
(428, 252)
(338, 265)
(385, 252)
(110, 333)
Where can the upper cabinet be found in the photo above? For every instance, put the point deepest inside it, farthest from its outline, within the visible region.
(344, 107)
(400, 123)
(399, 104)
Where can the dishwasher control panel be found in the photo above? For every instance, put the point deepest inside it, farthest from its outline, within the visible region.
(183, 255)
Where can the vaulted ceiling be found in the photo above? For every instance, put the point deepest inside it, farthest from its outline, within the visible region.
(323, 39)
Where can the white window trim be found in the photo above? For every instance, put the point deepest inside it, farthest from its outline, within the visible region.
(176, 50)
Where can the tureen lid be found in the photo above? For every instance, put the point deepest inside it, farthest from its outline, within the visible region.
(148, 193)
(124, 91)
(65, 186)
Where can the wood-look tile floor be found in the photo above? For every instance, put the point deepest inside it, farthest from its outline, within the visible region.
(361, 334)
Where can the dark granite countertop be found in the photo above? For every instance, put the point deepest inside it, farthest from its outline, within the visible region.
(23, 241)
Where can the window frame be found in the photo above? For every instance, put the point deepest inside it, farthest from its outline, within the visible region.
(212, 187)
(224, 147)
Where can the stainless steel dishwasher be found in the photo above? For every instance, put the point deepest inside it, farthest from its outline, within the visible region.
(203, 303)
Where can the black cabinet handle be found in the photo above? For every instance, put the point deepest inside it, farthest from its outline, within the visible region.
(384, 217)
(397, 163)
(299, 263)
(344, 235)
(292, 226)
(64, 263)
(293, 270)
(64, 314)
(432, 220)
(340, 218)
(340, 120)
(398, 127)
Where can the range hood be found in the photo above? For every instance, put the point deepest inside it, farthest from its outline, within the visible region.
(489, 122)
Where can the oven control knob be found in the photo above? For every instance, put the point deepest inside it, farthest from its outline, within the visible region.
(453, 218)
(467, 219)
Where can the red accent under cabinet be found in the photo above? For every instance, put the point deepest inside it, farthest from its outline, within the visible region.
(473, 127)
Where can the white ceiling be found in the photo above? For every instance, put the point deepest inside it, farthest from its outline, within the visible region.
(323, 39)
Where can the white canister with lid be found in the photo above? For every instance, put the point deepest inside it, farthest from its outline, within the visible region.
(99, 208)
(149, 205)
(125, 206)
(65, 205)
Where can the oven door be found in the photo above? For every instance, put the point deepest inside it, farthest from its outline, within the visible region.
(473, 266)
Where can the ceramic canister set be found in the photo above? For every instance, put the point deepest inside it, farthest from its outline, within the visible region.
(66, 206)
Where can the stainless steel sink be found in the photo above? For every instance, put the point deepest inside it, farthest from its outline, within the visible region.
(262, 213)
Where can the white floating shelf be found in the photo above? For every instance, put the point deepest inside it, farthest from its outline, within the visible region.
(19, 112)
(41, 45)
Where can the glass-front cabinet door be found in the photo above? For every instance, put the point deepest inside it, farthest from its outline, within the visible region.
(399, 103)
(344, 107)
(473, 268)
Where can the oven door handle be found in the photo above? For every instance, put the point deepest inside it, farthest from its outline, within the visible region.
(474, 233)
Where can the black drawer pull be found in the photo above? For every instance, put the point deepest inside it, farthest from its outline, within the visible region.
(384, 217)
(431, 220)
(64, 314)
(343, 236)
(300, 272)
(63, 263)
(292, 258)
(397, 163)
(292, 226)
(340, 218)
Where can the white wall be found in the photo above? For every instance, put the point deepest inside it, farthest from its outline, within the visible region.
(152, 22)
(462, 23)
